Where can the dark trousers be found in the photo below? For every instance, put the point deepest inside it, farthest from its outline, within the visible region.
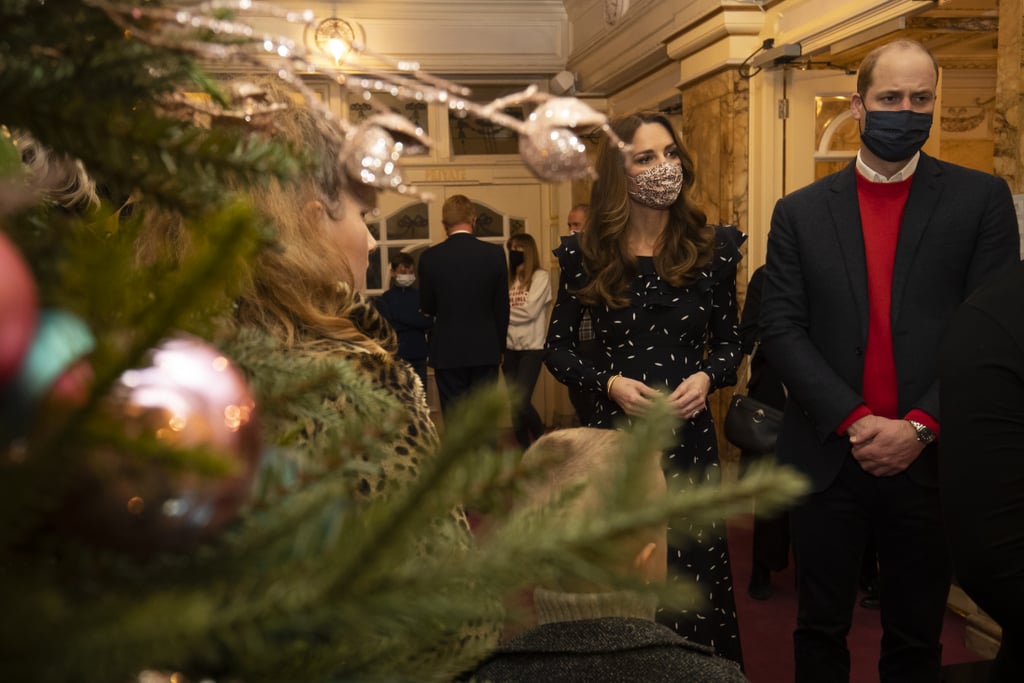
(454, 383)
(1008, 666)
(770, 543)
(770, 540)
(830, 531)
(521, 370)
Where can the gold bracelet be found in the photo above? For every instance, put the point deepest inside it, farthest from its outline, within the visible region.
(611, 381)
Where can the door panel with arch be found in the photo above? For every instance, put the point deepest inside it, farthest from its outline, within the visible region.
(400, 223)
(821, 135)
(507, 210)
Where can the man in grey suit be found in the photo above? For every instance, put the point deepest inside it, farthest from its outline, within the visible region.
(864, 271)
(464, 285)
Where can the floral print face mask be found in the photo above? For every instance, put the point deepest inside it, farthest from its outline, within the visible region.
(657, 187)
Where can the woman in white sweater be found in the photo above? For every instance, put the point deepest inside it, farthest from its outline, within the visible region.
(529, 292)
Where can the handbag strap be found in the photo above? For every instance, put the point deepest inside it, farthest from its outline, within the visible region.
(749, 360)
(744, 370)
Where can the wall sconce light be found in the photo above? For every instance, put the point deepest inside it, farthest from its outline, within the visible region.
(335, 36)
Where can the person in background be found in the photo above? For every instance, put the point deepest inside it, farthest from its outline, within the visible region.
(771, 534)
(464, 285)
(400, 306)
(577, 218)
(588, 632)
(529, 292)
(584, 402)
(982, 458)
(865, 269)
(660, 285)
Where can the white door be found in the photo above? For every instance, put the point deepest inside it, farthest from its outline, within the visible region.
(820, 134)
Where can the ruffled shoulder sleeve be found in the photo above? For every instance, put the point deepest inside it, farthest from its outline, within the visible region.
(728, 240)
(570, 262)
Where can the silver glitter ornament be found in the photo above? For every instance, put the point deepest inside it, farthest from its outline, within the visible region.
(549, 142)
(371, 157)
(565, 112)
(374, 148)
(554, 154)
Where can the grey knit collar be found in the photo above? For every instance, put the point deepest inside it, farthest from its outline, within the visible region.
(553, 606)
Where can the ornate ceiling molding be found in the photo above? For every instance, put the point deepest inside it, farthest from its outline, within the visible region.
(499, 37)
(614, 9)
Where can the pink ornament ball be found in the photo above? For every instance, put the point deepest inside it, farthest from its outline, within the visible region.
(18, 308)
(188, 395)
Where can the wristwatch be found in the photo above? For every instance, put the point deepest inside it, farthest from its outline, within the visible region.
(924, 435)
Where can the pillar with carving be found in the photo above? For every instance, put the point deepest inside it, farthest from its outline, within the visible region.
(1009, 104)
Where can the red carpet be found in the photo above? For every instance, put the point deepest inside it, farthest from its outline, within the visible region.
(766, 627)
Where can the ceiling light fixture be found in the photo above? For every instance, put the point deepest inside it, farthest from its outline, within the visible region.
(335, 37)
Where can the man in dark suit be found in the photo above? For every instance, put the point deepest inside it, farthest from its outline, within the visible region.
(464, 285)
(864, 270)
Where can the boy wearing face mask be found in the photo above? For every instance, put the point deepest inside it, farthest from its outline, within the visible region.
(400, 306)
(865, 268)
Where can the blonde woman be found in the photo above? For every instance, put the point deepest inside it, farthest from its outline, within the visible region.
(529, 293)
(306, 291)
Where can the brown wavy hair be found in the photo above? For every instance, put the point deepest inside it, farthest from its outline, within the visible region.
(300, 290)
(683, 249)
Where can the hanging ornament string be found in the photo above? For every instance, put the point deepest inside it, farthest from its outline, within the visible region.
(371, 150)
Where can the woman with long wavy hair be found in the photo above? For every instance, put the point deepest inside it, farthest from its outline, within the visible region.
(660, 286)
(529, 293)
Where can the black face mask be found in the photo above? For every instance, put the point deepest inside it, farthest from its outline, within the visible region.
(515, 259)
(895, 135)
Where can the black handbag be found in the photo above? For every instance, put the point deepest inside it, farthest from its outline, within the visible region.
(751, 425)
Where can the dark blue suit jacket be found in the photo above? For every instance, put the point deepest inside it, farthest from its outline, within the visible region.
(464, 285)
(400, 306)
(958, 229)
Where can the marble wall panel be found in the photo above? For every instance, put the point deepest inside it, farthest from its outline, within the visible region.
(1009, 106)
(715, 127)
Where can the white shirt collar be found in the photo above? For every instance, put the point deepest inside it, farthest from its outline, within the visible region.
(460, 232)
(900, 175)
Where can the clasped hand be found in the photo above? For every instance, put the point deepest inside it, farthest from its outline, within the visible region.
(688, 399)
(883, 446)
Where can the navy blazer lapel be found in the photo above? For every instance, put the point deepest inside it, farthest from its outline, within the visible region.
(845, 210)
(925, 190)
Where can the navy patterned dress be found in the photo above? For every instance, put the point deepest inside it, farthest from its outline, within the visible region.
(662, 337)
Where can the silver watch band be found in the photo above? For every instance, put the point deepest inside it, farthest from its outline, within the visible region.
(924, 434)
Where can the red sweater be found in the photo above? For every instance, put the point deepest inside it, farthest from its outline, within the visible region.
(881, 212)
